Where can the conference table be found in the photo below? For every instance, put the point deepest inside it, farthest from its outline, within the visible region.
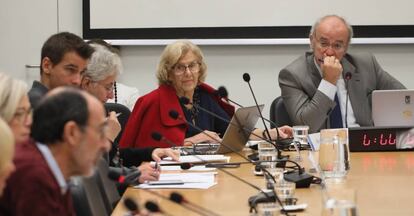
(383, 181)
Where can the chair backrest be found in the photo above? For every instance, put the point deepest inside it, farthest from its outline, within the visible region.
(87, 198)
(279, 114)
(123, 118)
(107, 187)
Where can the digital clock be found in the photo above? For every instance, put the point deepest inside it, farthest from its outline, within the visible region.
(363, 139)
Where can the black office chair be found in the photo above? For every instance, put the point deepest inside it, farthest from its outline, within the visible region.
(107, 187)
(123, 118)
(279, 114)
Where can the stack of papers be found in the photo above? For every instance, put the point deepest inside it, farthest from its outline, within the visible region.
(197, 159)
(190, 181)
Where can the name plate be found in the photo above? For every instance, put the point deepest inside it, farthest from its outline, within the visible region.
(376, 139)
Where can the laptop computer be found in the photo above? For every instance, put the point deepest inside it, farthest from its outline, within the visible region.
(237, 133)
(392, 108)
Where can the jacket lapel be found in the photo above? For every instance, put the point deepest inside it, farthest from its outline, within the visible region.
(168, 102)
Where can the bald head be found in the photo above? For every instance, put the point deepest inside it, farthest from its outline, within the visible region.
(333, 22)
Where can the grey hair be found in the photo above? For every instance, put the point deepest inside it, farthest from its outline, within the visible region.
(11, 92)
(348, 26)
(103, 63)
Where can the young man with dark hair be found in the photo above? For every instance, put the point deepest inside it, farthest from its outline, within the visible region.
(64, 58)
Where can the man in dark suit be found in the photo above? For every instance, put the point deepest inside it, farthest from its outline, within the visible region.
(69, 132)
(314, 85)
(64, 58)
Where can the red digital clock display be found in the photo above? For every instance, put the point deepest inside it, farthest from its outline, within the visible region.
(380, 139)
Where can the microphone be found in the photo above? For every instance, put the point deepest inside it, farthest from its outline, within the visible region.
(129, 179)
(154, 208)
(268, 197)
(131, 206)
(223, 93)
(348, 76)
(178, 198)
(186, 101)
(158, 137)
(246, 78)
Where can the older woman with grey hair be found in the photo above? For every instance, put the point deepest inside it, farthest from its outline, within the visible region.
(99, 79)
(15, 107)
(181, 72)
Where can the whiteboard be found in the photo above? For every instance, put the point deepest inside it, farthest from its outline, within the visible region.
(235, 21)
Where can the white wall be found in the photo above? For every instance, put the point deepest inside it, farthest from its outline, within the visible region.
(226, 64)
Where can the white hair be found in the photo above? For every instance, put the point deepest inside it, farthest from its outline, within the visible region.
(11, 92)
(103, 63)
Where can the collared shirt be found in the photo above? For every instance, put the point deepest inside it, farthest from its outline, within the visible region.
(330, 90)
(54, 167)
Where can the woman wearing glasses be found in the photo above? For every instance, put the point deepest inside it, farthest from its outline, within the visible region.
(181, 73)
(98, 79)
(15, 107)
(15, 122)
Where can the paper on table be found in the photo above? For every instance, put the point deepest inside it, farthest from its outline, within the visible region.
(191, 180)
(193, 168)
(197, 159)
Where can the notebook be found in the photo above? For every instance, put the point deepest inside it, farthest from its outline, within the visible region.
(393, 107)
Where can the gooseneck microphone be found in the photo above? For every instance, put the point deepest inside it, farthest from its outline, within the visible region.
(186, 101)
(246, 78)
(348, 76)
(131, 206)
(125, 180)
(223, 93)
(130, 179)
(270, 197)
(155, 208)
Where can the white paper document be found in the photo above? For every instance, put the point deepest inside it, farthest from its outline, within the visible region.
(193, 168)
(190, 181)
(197, 159)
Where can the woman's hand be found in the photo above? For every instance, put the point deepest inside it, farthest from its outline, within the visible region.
(204, 137)
(114, 127)
(148, 172)
(160, 153)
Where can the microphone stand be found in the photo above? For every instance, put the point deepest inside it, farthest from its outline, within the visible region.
(348, 76)
(186, 101)
(114, 176)
(222, 92)
(174, 114)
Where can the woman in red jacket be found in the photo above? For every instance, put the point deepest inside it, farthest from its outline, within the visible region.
(181, 73)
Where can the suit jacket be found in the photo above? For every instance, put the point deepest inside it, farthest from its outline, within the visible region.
(151, 113)
(32, 189)
(37, 92)
(306, 105)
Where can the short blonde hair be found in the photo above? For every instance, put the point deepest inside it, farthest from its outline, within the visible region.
(11, 92)
(6, 144)
(172, 54)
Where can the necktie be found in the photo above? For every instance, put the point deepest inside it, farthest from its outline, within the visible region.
(336, 116)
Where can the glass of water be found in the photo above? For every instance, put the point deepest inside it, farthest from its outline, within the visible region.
(300, 134)
(339, 201)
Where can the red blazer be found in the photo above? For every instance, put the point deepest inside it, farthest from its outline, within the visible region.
(151, 113)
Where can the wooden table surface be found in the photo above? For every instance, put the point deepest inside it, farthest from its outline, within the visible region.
(384, 184)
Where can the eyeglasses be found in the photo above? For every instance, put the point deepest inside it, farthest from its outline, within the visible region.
(194, 67)
(109, 87)
(324, 44)
(100, 129)
(22, 114)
